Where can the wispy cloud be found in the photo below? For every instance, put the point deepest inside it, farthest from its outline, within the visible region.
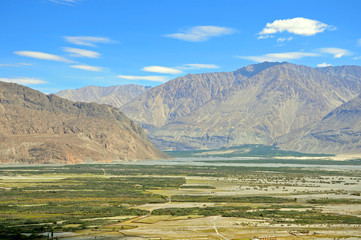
(198, 66)
(65, 2)
(357, 58)
(15, 65)
(280, 40)
(76, 52)
(87, 68)
(277, 57)
(200, 33)
(160, 69)
(24, 80)
(42, 55)
(147, 78)
(299, 26)
(336, 52)
(324, 64)
(87, 40)
(359, 42)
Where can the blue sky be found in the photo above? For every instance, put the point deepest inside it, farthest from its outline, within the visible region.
(51, 45)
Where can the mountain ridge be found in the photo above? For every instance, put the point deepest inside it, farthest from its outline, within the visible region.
(39, 128)
(116, 96)
(213, 110)
(264, 103)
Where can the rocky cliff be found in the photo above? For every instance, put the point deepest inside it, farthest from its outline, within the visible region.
(37, 128)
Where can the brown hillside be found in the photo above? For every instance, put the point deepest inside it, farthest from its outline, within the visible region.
(36, 128)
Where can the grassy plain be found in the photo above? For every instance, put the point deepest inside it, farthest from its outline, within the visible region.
(125, 201)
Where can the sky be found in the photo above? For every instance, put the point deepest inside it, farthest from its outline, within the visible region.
(52, 45)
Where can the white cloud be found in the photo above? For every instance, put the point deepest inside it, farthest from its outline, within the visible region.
(147, 78)
(23, 80)
(65, 2)
(336, 52)
(280, 40)
(87, 68)
(324, 64)
(87, 40)
(15, 65)
(196, 66)
(76, 52)
(199, 66)
(359, 42)
(160, 69)
(201, 33)
(42, 55)
(357, 58)
(299, 26)
(278, 57)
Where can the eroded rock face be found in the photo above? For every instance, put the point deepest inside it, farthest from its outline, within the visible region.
(36, 128)
(253, 105)
(338, 132)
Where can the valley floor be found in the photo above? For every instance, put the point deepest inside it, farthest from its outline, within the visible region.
(135, 201)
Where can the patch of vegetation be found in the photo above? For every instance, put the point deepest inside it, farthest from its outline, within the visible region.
(246, 150)
(35, 207)
(334, 201)
(197, 187)
(290, 161)
(297, 217)
(230, 199)
(206, 211)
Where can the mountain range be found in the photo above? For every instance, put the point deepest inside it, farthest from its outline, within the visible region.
(116, 96)
(267, 103)
(37, 128)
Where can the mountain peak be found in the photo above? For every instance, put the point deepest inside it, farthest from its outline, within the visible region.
(251, 70)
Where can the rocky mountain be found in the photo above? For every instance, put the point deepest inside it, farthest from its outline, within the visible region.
(338, 132)
(37, 128)
(115, 96)
(253, 105)
(350, 72)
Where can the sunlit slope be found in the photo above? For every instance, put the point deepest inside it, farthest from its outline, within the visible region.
(37, 128)
(253, 105)
(113, 95)
(338, 132)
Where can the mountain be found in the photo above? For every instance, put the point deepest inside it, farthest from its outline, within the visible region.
(350, 72)
(253, 105)
(338, 132)
(115, 96)
(37, 128)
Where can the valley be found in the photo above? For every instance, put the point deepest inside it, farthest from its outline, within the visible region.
(180, 120)
(188, 200)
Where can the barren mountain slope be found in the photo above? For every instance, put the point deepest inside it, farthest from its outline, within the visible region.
(36, 128)
(351, 72)
(114, 95)
(255, 104)
(338, 132)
